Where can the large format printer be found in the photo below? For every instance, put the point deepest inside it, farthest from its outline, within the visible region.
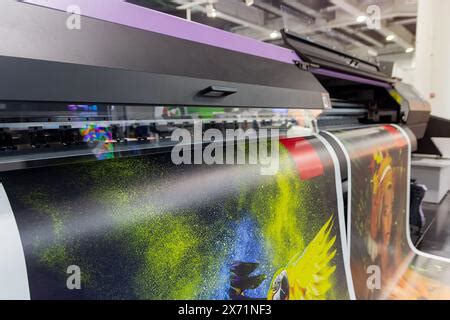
(54, 80)
(130, 84)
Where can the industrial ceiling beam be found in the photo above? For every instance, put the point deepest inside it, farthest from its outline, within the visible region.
(199, 6)
(402, 37)
(252, 21)
(364, 37)
(405, 21)
(303, 8)
(288, 18)
(385, 31)
(320, 20)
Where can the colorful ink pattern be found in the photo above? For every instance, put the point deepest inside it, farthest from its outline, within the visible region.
(142, 228)
(379, 161)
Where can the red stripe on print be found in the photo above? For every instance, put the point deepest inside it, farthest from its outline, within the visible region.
(306, 158)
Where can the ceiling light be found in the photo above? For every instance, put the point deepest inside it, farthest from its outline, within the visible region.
(361, 19)
(409, 50)
(210, 11)
(249, 3)
(390, 37)
(275, 35)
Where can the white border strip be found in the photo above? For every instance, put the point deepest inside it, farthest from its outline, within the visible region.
(349, 189)
(408, 192)
(340, 200)
(13, 270)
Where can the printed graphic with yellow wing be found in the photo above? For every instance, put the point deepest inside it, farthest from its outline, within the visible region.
(307, 275)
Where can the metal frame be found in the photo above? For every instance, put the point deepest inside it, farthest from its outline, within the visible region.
(106, 62)
(327, 59)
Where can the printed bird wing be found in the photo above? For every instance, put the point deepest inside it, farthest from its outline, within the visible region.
(309, 272)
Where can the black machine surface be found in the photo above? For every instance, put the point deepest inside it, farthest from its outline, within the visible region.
(134, 99)
(437, 128)
(361, 93)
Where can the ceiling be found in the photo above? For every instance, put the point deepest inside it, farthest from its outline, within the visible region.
(349, 25)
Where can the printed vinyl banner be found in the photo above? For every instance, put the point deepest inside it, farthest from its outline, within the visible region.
(143, 228)
(384, 262)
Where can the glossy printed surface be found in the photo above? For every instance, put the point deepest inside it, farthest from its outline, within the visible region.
(379, 160)
(143, 228)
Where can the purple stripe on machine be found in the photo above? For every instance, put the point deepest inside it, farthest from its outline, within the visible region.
(118, 11)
